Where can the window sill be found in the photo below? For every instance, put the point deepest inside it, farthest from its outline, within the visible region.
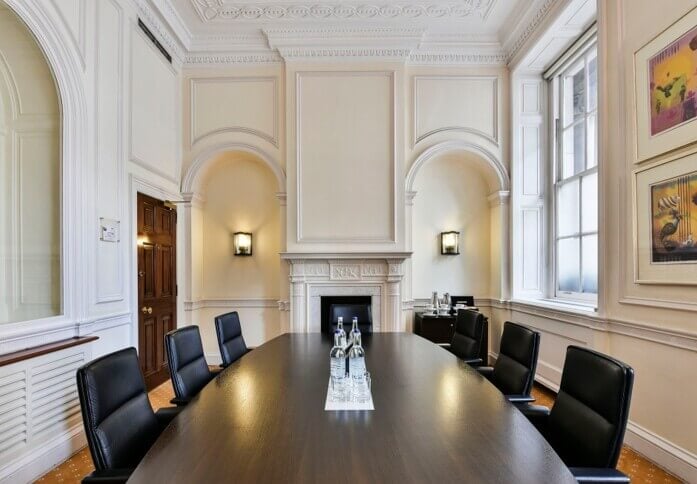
(586, 309)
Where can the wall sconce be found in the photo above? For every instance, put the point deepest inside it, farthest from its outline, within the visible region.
(243, 243)
(449, 243)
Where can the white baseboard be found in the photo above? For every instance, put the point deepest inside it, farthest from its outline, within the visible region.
(213, 359)
(35, 464)
(667, 455)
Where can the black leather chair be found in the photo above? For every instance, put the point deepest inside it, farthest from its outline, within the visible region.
(468, 337)
(119, 421)
(187, 365)
(514, 370)
(466, 300)
(230, 339)
(587, 422)
(349, 311)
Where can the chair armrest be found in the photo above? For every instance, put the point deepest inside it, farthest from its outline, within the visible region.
(167, 414)
(180, 402)
(109, 476)
(520, 398)
(593, 475)
(474, 362)
(486, 371)
(537, 415)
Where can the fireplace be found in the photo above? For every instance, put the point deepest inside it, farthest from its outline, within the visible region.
(326, 304)
(374, 276)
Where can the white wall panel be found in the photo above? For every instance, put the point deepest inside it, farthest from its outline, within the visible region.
(345, 157)
(466, 104)
(154, 112)
(531, 160)
(109, 105)
(234, 104)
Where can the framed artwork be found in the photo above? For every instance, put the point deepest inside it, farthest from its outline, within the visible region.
(665, 217)
(665, 72)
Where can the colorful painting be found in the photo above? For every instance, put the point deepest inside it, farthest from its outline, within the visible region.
(674, 220)
(673, 84)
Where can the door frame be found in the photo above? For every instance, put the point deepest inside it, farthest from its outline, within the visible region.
(140, 185)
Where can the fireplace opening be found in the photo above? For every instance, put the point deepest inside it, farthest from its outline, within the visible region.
(360, 306)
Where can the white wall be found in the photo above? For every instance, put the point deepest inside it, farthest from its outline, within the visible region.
(120, 133)
(451, 195)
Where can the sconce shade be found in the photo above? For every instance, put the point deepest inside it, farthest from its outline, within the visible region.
(449, 243)
(243, 243)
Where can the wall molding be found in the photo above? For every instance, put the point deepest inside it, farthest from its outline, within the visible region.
(270, 137)
(453, 145)
(233, 303)
(191, 183)
(299, 238)
(418, 135)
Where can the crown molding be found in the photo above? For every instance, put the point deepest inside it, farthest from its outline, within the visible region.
(513, 45)
(333, 41)
(156, 21)
(220, 11)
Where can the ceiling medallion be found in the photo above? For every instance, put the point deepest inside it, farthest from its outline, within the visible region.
(220, 10)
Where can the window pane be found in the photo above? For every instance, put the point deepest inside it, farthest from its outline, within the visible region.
(573, 153)
(30, 241)
(574, 94)
(568, 265)
(592, 81)
(589, 245)
(592, 145)
(589, 200)
(567, 209)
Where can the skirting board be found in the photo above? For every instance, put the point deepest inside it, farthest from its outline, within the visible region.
(662, 452)
(37, 463)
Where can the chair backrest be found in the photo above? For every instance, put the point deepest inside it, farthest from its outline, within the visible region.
(469, 333)
(230, 340)
(349, 311)
(187, 365)
(119, 421)
(514, 370)
(587, 422)
(466, 300)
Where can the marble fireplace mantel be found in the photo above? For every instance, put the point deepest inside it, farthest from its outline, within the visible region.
(375, 274)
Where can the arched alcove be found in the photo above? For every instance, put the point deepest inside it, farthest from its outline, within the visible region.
(30, 177)
(457, 185)
(236, 189)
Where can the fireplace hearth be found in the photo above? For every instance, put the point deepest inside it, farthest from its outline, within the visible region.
(326, 304)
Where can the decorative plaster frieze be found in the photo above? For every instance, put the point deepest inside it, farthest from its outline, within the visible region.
(448, 58)
(221, 11)
(530, 27)
(233, 58)
(345, 272)
(309, 53)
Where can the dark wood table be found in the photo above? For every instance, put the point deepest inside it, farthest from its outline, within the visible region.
(435, 420)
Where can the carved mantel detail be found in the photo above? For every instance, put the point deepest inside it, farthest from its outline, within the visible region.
(378, 275)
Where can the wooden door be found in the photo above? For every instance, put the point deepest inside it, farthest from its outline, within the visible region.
(157, 288)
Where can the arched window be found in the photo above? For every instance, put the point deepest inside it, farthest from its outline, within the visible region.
(30, 177)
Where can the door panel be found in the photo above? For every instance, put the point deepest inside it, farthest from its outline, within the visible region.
(157, 290)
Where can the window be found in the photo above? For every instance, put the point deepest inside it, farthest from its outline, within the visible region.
(575, 177)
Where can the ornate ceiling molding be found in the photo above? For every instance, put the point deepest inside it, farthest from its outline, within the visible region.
(220, 10)
(530, 27)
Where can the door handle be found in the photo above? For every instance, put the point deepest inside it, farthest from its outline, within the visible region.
(146, 310)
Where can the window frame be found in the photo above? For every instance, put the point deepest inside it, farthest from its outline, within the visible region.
(583, 53)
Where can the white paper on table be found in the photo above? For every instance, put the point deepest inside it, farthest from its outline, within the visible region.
(331, 404)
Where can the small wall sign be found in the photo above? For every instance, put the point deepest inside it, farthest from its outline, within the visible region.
(109, 230)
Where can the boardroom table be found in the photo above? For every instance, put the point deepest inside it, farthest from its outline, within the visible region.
(435, 420)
